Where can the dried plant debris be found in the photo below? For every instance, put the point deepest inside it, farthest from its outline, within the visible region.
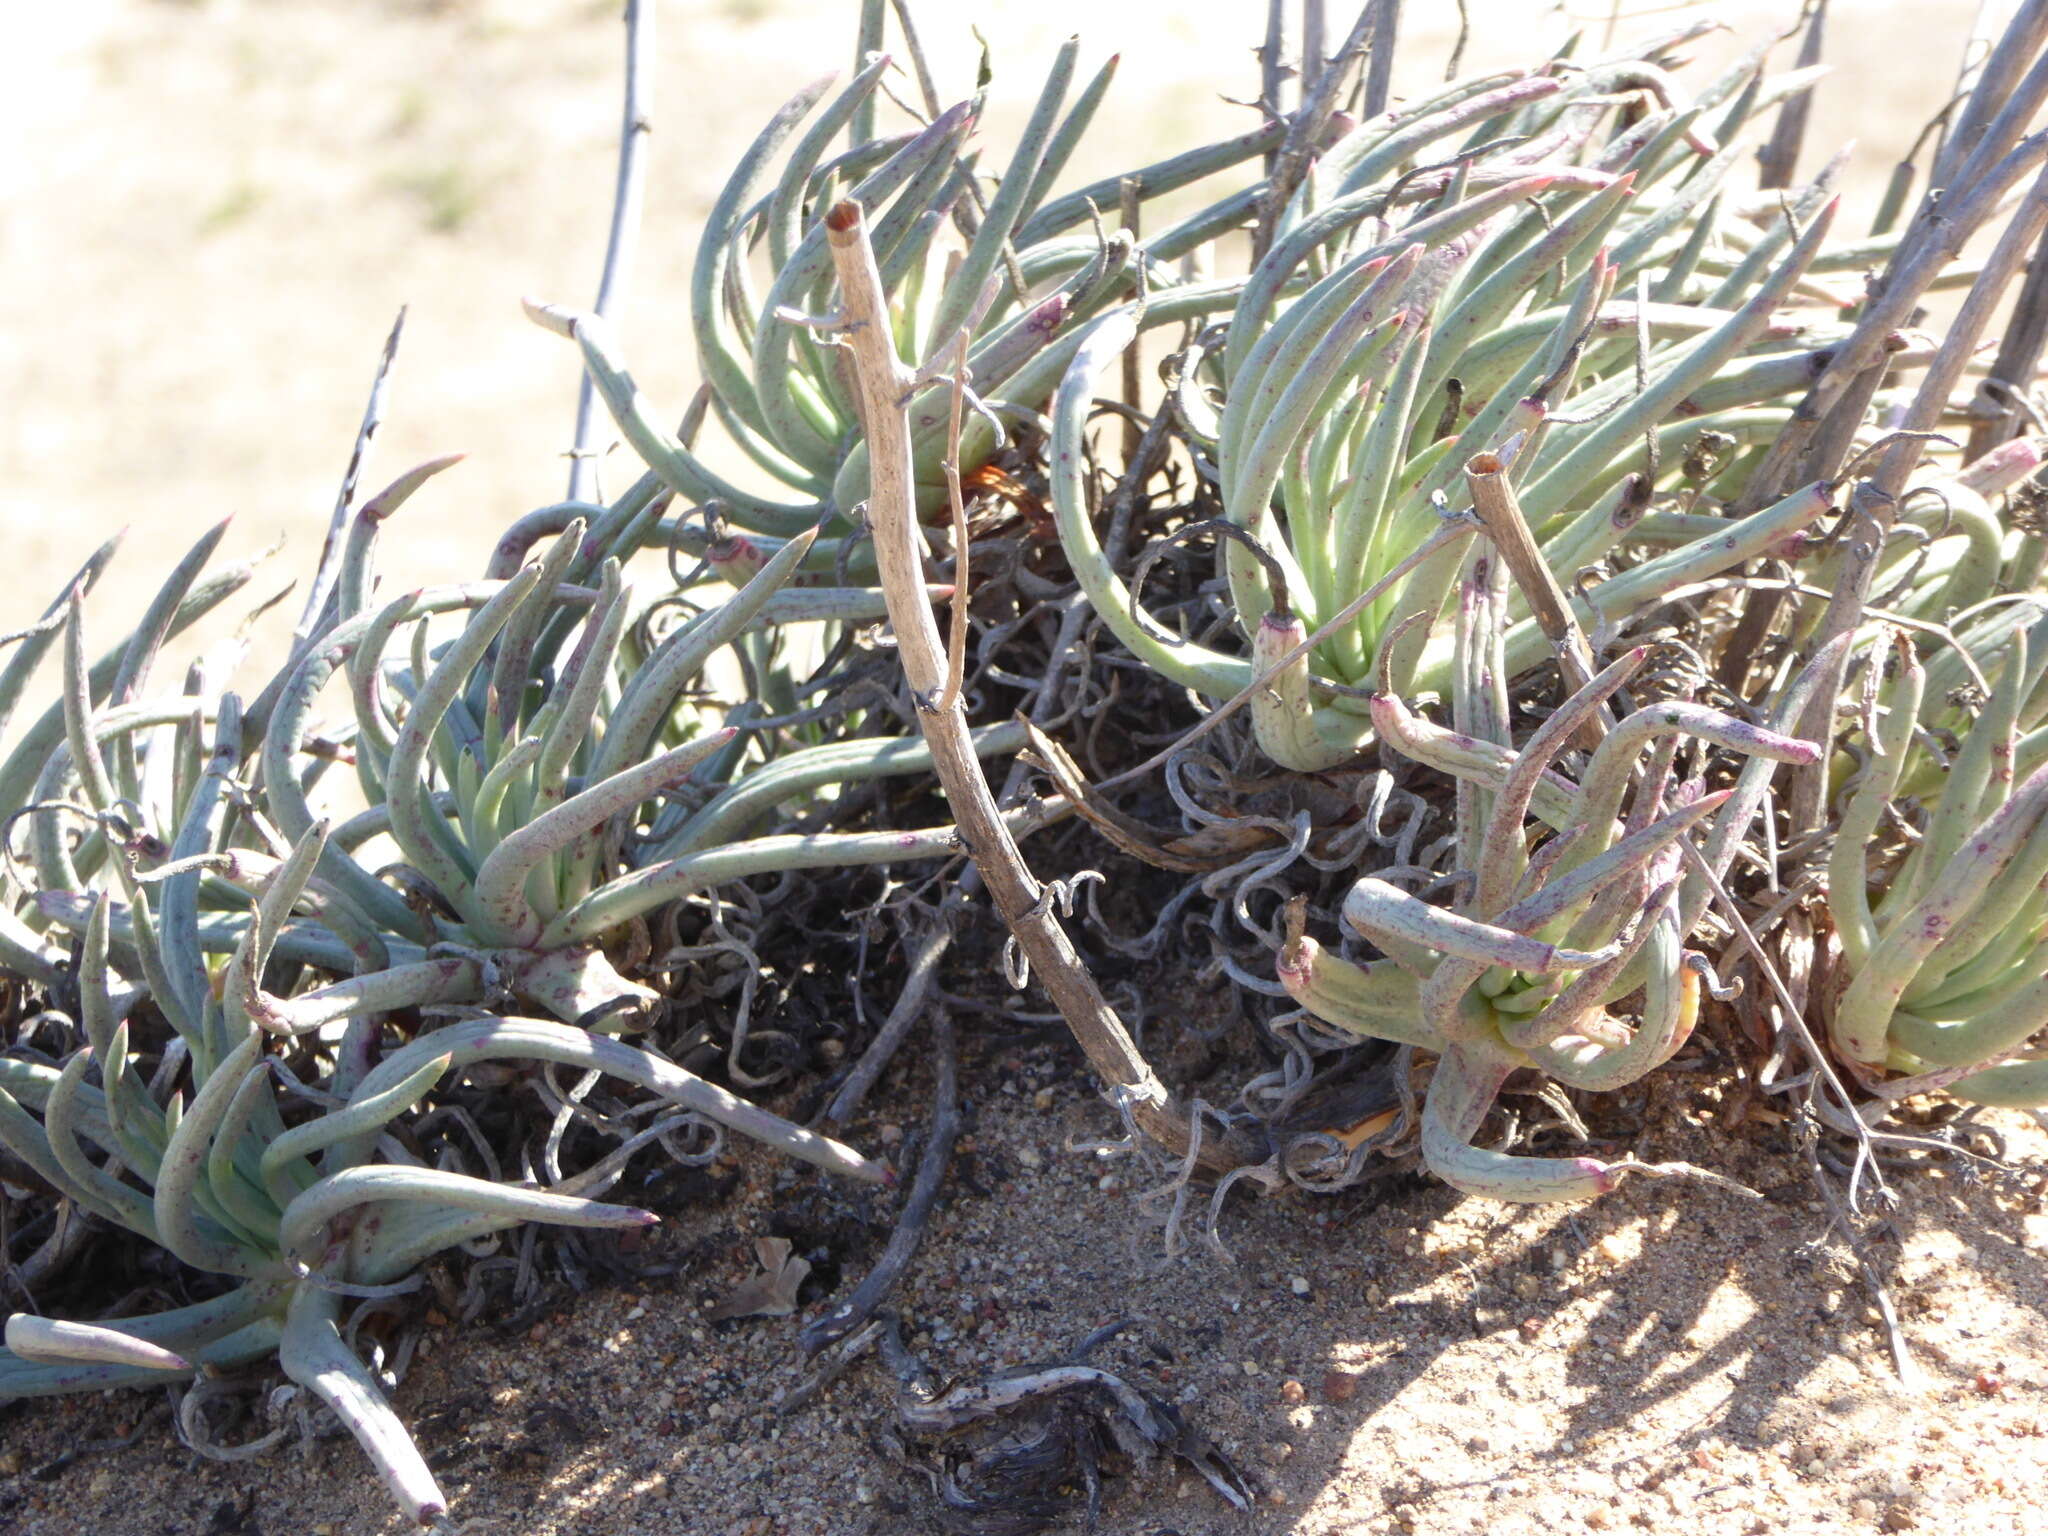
(1018, 1451)
(771, 1290)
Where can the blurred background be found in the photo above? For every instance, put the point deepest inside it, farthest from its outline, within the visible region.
(212, 209)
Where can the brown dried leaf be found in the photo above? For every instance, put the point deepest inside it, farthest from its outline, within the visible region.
(1222, 842)
(771, 1293)
(1122, 829)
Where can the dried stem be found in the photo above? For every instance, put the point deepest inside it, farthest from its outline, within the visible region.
(899, 555)
(1379, 72)
(925, 955)
(956, 640)
(628, 196)
(329, 569)
(869, 1295)
(2019, 356)
(1493, 498)
(1778, 160)
(1290, 163)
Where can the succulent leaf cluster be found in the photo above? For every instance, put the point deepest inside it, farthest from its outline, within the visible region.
(1546, 936)
(1483, 271)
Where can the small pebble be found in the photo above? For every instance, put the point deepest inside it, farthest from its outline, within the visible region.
(1251, 1367)
(1292, 1391)
(1340, 1386)
(1298, 1284)
(1029, 1157)
(1863, 1509)
(1042, 1100)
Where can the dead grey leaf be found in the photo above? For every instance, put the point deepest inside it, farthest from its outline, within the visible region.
(772, 1292)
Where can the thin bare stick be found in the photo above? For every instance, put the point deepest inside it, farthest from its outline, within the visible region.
(1312, 40)
(956, 639)
(329, 568)
(2019, 356)
(1823, 1066)
(627, 200)
(1290, 163)
(1869, 523)
(874, 1288)
(1779, 159)
(1457, 59)
(1272, 56)
(1379, 72)
(1493, 498)
(925, 88)
(925, 955)
(882, 382)
(2023, 229)
(1845, 1118)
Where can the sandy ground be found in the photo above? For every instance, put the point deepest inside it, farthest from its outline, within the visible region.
(1669, 1358)
(209, 216)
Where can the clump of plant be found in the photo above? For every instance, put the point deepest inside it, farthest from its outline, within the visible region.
(1940, 971)
(1507, 267)
(1676, 422)
(1544, 938)
(997, 270)
(212, 1155)
(264, 968)
(508, 768)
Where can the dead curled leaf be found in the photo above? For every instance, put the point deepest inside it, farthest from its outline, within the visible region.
(772, 1292)
(1249, 821)
(1122, 829)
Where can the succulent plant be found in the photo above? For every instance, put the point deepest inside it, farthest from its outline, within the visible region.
(1522, 970)
(1365, 364)
(1537, 292)
(1020, 290)
(511, 878)
(226, 1176)
(299, 1217)
(1940, 973)
(505, 765)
